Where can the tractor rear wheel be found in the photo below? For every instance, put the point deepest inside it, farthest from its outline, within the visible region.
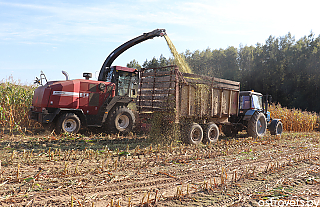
(257, 125)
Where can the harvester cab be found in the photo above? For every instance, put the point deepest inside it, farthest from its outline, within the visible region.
(125, 79)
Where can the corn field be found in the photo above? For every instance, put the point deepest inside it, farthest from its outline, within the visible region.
(135, 173)
(15, 100)
(294, 120)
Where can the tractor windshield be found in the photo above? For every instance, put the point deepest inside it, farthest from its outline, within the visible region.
(256, 102)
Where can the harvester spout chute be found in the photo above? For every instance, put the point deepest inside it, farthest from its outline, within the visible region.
(118, 51)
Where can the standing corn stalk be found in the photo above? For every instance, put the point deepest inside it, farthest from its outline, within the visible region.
(294, 119)
(15, 100)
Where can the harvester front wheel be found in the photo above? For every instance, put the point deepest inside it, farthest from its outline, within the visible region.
(68, 123)
(121, 120)
(194, 135)
(211, 134)
(257, 125)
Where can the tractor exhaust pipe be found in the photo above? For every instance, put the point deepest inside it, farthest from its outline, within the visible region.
(268, 99)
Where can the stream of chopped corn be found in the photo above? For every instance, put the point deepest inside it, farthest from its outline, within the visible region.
(183, 66)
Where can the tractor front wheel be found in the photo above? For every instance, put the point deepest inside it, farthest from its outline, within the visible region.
(275, 127)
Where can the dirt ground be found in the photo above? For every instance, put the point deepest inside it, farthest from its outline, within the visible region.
(104, 170)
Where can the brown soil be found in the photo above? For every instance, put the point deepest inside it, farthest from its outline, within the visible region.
(46, 170)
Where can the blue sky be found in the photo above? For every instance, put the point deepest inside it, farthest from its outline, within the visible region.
(77, 36)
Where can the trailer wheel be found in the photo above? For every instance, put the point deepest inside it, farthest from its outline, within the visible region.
(211, 134)
(194, 135)
(275, 127)
(122, 120)
(68, 123)
(257, 125)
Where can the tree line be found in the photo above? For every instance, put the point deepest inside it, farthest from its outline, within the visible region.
(283, 67)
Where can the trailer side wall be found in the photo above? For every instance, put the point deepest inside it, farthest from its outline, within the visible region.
(189, 96)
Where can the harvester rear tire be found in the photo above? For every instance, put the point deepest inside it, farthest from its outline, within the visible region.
(211, 134)
(68, 123)
(257, 125)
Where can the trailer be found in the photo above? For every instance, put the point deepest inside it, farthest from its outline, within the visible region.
(199, 104)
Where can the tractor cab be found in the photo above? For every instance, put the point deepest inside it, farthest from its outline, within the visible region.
(251, 102)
